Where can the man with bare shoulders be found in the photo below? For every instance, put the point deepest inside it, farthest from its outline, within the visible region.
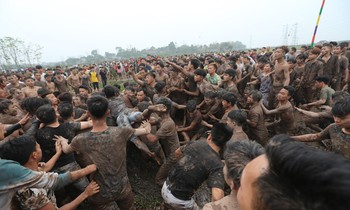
(161, 75)
(285, 117)
(14, 83)
(30, 90)
(74, 80)
(50, 85)
(281, 76)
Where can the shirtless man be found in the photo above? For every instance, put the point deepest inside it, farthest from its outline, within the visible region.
(284, 111)
(281, 77)
(161, 76)
(30, 90)
(50, 85)
(74, 81)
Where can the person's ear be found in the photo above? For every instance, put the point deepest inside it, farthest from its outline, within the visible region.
(34, 155)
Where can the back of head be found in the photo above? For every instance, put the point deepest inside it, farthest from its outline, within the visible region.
(196, 63)
(65, 110)
(18, 149)
(166, 102)
(32, 104)
(300, 177)
(238, 116)
(256, 95)
(46, 114)
(324, 79)
(4, 105)
(65, 97)
(237, 155)
(191, 105)
(220, 134)
(109, 91)
(97, 106)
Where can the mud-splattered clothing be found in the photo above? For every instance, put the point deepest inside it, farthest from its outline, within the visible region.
(44, 137)
(199, 163)
(106, 149)
(340, 140)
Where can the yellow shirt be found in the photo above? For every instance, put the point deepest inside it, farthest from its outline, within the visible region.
(93, 76)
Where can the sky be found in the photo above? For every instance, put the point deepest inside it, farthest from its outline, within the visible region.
(73, 28)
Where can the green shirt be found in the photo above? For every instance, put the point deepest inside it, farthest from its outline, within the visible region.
(214, 80)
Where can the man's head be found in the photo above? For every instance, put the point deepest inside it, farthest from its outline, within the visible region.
(31, 104)
(341, 113)
(110, 91)
(65, 110)
(228, 100)
(326, 49)
(14, 79)
(236, 118)
(21, 149)
(220, 134)
(314, 53)
(229, 74)
(237, 155)
(7, 107)
(46, 114)
(17, 94)
(191, 106)
(97, 107)
(84, 90)
(166, 102)
(140, 95)
(159, 67)
(194, 64)
(321, 81)
(285, 93)
(199, 75)
(37, 76)
(212, 68)
(293, 175)
(254, 97)
(65, 97)
(280, 52)
(150, 78)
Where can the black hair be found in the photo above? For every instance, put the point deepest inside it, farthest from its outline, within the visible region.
(220, 134)
(290, 90)
(238, 116)
(166, 102)
(196, 63)
(292, 60)
(4, 105)
(263, 59)
(161, 64)
(28, 78)
(301, 177)
(109, 91)
(18, 149)
(38, 67)
(65, 97)
(97, 106)
(329, 45)
(152, 74)
(210, 94)
(191, 105)
(333, 43)
(256, 95)
(237, 155)
(200, 72)
(343, 45)
(143, 105)
(230, 98)
(324, 79)
(341, 108)
(339, 95)
(84, 87)
(46, 114)
(301, 57)
(230, 72)
(159, 86)
(65, 110)
(31, 104)
(284, 49)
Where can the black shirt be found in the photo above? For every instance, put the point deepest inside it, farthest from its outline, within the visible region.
(199, 163)
(44, 137)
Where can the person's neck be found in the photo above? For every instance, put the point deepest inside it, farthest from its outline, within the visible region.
(280, 60)
(30, 87)
(99, 125)
(54, 124)
(214, 147)
(300, 64)
(230, 83)
(200, 82)
(212, 74)
(283, 102)
(238, 129)
(32, 165)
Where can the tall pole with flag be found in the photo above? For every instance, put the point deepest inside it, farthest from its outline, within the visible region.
(318, 20)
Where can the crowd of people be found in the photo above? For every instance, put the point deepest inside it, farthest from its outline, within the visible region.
(263, 129)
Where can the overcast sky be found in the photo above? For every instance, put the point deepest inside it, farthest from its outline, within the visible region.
(72, 28)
